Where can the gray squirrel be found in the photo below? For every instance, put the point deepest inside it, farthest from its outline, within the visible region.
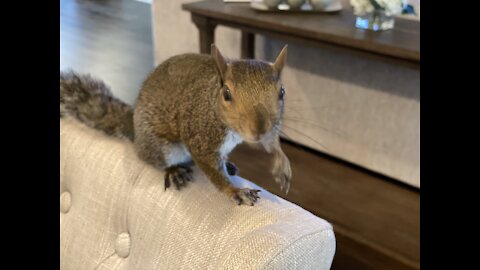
(193, 108)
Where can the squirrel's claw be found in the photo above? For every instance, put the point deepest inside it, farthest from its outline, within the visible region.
(282, 173)
(179, 175)
(246, 196)
(283, 177)
(284, 182)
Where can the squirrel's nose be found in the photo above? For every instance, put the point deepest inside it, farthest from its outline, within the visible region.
(261, 120)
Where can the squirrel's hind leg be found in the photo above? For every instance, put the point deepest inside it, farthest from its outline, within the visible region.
(179, 163)
(173, 158)
(179, 175)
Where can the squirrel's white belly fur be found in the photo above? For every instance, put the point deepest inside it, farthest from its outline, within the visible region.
(230, 141)
(176, 153)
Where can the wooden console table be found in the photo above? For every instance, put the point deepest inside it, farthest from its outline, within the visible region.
(336, 31)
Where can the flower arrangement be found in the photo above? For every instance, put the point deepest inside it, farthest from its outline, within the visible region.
(391, 7)
(379, 15)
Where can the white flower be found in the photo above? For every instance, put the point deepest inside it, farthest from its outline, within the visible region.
(360, 7)
(392, 7)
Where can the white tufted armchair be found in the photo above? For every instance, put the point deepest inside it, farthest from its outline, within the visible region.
(115, 214)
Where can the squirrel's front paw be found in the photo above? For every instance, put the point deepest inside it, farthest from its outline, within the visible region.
(282, 173)
(179, 175)
(245, 196)
(284, 180)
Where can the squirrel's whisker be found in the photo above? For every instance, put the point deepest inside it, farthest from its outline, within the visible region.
(303, 134)
(306, 121)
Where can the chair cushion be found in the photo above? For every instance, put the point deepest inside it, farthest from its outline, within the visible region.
(115, 214)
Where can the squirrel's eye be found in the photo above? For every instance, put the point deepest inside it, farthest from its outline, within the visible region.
(282, 93)
(227, 95)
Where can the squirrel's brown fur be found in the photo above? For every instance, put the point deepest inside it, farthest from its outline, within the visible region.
(192, 108)
(91, 101)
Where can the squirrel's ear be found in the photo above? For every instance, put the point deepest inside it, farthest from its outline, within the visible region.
(219, 60)
(280, 61)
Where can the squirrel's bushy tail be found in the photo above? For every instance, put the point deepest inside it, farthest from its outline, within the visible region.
(90, 101)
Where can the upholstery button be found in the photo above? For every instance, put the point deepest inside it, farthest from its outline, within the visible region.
(65, 202)
(122, 245)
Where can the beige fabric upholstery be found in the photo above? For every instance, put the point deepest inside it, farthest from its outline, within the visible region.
(115, 214)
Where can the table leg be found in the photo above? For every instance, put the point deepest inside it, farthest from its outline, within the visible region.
(248, 45)
(206, 30)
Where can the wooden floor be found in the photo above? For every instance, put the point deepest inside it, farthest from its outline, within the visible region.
(376, 220)
(111, 39)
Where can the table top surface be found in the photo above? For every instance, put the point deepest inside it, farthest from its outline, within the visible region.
(337, 28)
